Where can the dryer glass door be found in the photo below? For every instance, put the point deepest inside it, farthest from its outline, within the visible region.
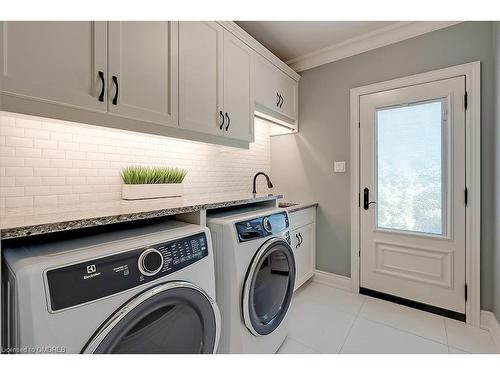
(173, 318)
(269, 287)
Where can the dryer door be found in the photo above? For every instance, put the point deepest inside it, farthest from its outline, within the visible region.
(176, 317)
(268, 287)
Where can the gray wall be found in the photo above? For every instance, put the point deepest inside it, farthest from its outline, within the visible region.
(496, 259)
(302, 164)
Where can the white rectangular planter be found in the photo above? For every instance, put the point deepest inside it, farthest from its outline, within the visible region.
(147, 191)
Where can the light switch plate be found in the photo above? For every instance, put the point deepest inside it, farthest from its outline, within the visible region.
(339, 167)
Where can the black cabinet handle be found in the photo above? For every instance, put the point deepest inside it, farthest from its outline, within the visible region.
(115, 99)
(278, 99)
(221, 120)
(297, 237)
(282, 101)
(228, 121)
(301, 239)
(101, 95)
(366, 199)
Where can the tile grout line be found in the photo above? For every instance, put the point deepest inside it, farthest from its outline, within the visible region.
(352, 325)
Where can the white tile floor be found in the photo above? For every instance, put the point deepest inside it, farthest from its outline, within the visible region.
(328, 320)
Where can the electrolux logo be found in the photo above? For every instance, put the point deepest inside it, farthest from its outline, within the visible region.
(91, 268)
(91, 272)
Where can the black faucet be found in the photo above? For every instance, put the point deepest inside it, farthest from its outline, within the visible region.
(269, 183)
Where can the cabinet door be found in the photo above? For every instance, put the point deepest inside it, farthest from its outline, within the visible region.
(238, 88)
(143, 62)
(275, 92)
(201, 76)
(303, 246)
(288, 89)
(57, 62)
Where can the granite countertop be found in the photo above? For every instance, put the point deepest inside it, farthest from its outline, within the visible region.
(29, 222)
(293, 207)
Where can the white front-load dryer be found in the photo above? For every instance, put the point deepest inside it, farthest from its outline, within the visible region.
(149, 289)
(255, 276)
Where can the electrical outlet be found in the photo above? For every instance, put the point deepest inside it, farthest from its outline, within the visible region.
(339, 166)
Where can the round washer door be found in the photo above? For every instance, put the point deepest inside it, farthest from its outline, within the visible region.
(268, 288)
(176, 317)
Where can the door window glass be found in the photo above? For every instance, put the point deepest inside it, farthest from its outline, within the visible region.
(411, 167)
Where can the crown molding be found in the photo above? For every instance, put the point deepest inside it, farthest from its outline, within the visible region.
(366, 42)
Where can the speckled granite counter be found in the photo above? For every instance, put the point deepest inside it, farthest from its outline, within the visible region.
(30, 222)
(298, 206)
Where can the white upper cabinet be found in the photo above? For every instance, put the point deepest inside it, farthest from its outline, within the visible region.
(238, 89)
(57, 62)
(143, 71)
(197, 80)
(201, 77)
(276, 94)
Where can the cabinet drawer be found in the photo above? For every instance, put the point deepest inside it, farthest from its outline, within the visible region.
(302, 217)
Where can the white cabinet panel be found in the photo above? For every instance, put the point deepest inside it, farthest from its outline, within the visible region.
(275, 92)
(238, 89)
(57, 62)
(143, 62)
(303, 246)
(201, 76)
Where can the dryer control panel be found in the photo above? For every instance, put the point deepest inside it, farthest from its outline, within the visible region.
(260, 227)
(98, 278)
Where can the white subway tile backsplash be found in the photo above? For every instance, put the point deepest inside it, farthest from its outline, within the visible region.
(45, 162)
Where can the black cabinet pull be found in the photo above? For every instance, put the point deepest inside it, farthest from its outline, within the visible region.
(221, 120)
(282, 100)
(366, 199)
(228, 121)
(101, 95)
(278, 100)
(300, 238)
(115, 99)
(297, 237)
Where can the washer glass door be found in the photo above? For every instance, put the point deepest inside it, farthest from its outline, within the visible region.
(173, 318)
(269, 287)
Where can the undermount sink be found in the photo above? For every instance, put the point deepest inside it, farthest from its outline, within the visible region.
(286, 204)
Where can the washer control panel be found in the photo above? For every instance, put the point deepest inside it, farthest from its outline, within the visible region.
(98, 278)
(260, 227)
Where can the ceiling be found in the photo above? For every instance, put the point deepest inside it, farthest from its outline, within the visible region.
(291, 39)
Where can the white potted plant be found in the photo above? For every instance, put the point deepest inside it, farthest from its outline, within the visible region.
(152, 182)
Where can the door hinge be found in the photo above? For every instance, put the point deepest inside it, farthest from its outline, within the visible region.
(466, 196)
(465, 292)
(465, 100)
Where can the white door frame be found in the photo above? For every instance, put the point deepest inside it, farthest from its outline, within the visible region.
(472, 73)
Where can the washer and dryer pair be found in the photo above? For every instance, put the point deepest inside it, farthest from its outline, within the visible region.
(152, 289)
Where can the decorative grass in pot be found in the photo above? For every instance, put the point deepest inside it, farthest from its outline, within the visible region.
(152, 182)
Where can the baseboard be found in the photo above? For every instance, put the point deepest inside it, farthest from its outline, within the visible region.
(490, 323)
(333, 280)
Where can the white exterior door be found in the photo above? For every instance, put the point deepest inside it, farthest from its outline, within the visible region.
(143, 75)
(56, 62)
(201, 77)
(412, 193)
(238, 89)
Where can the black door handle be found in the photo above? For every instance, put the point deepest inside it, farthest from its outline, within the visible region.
(222, 120)
(297, 237)
(301, 239)
(228, 121)
(366, 199)
(278, 102)
(282, 101)
(101, 95)
(115, 99)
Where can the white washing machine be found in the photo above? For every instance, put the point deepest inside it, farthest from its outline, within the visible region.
(150, 289)
(255, 276)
